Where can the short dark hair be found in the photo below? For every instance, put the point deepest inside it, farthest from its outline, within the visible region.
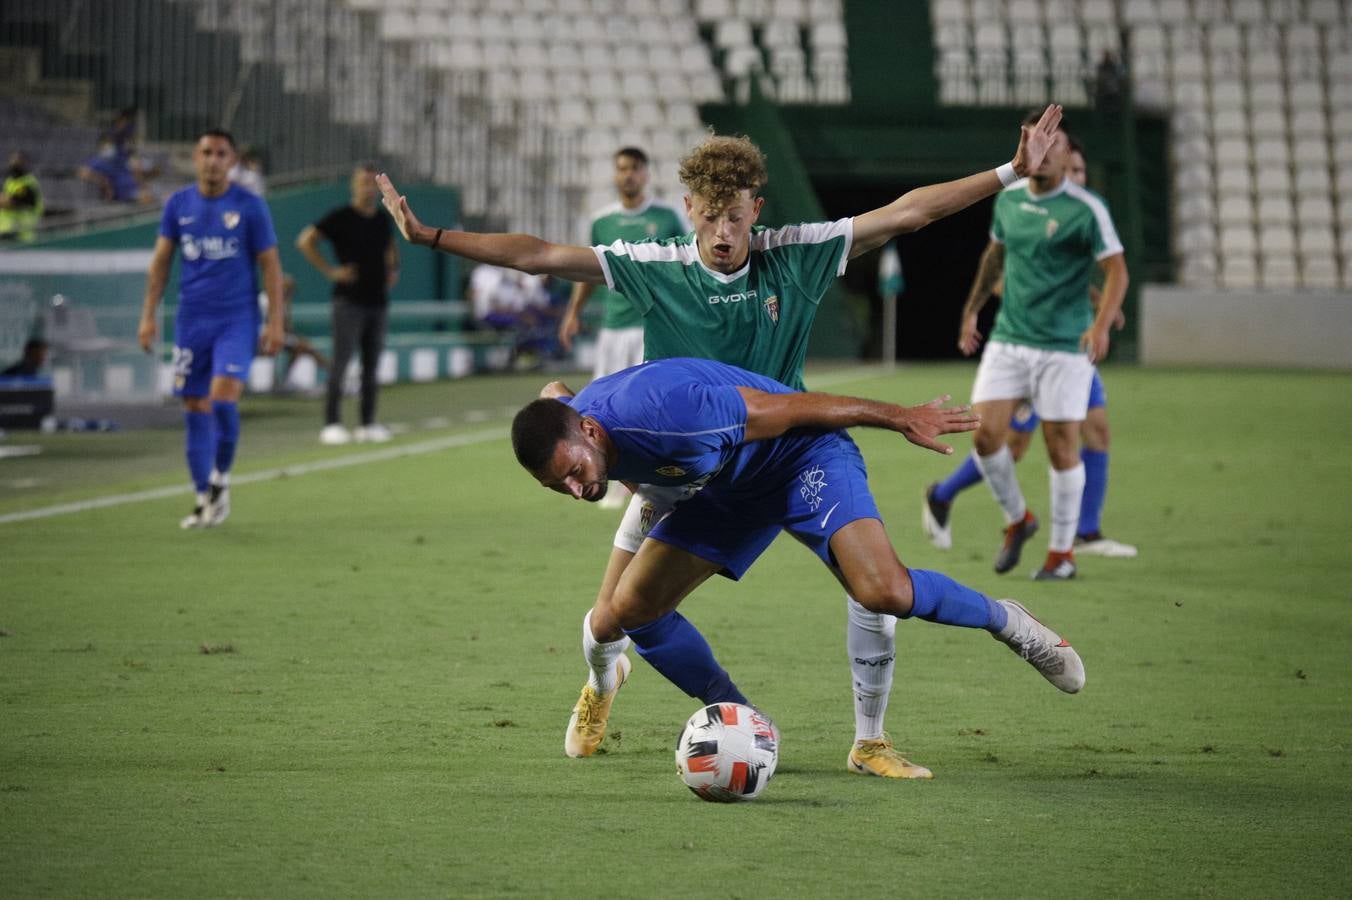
(634, 153)
(1075, 145)
(537, 430)
(220, 133)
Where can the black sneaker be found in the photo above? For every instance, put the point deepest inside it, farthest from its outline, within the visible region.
(1015, 536)
(934, 519)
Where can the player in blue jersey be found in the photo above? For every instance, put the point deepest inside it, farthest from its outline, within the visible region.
(764, 458)
(1094, 435)
(222, 232)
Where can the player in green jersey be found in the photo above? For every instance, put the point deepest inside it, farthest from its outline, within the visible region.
(634, 217)
(745, 295)
(1047, 235)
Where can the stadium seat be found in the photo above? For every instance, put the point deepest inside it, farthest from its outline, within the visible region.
(1324, 12)
(1136, 13)
(1311, 152)
(1234, 210)
(1312, 181)
(1277, 240)
(1239, 271)
(1279, 273)
(1271, 151)
(1319, 272)
(1315, 211)
(1173, 12)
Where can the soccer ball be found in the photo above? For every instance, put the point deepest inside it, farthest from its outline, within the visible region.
(727, 752)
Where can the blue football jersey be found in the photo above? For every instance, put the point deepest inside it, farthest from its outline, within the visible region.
(678, 421)
(219, 239)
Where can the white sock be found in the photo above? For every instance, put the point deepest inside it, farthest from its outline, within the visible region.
(220, 479)
(998, 470)
(203, 499)
(601, 658)
(1067, 489)
(870, 639)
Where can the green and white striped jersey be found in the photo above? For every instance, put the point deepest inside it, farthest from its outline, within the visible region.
(654, 220)
(1052, 244)
(758, 317)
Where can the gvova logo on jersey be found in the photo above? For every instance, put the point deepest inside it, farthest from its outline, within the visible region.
(814, 480)
(772, 308)
(230, 218)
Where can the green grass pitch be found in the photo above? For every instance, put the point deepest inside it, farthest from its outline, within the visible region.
(358, 686)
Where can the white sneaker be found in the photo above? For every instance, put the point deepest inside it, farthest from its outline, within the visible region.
(218, 508)
(1042, 648)
(1102, 546)
(372, 434)
(934, 519)
(199, 516)
(334, 434)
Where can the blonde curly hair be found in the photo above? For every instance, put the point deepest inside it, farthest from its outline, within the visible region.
(720, 167)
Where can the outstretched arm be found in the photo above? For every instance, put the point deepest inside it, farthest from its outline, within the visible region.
(523, 252)
(918, 208)
(770, 415)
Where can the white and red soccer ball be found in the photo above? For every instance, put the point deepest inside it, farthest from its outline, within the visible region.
(727, 752)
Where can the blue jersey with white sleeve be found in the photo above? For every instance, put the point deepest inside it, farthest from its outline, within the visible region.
(681, 420)
(219, 239)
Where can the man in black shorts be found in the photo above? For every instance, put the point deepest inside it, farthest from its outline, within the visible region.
(368, 266)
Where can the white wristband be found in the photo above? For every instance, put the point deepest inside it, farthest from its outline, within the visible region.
(1006, 174)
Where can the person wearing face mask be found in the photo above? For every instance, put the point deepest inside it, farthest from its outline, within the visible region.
(20, 201)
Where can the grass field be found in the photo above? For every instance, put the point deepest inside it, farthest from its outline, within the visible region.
(358, 685)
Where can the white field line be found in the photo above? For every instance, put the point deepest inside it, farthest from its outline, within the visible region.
(342, 462)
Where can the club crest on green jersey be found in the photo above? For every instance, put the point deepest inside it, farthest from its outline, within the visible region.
(1052, 225)
(772, 308)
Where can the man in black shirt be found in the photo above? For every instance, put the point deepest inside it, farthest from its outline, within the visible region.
(368, 266)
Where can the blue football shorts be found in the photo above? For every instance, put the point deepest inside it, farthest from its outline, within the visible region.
(205, 348)
(825, 488)
(1025, 420)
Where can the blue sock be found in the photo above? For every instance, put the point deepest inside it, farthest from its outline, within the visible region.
(674, 647)
(227, 433)
(1095, 489)
(200, 444)
(939, 598)
(963, 477)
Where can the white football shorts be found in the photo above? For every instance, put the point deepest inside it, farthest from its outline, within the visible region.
(647, 507)
(617, 349)
(1057, 382)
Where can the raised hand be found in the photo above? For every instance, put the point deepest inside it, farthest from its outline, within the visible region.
(398, 207)
(1035, 140)
(921, 424)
